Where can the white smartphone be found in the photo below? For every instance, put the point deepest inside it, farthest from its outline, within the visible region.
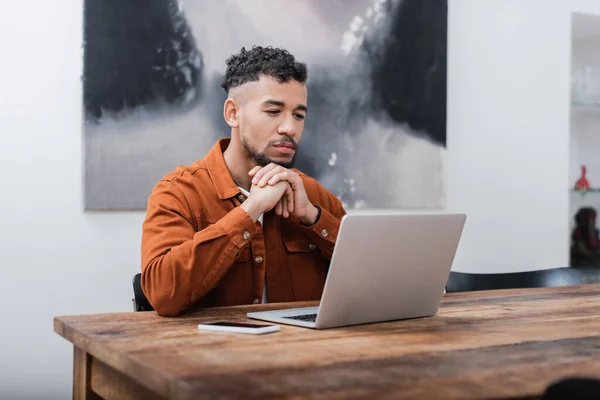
(238, 327)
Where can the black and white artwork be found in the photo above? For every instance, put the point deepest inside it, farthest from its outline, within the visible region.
(376, 132)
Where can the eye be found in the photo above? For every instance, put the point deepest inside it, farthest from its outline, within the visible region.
(300, 116)
(273, 112)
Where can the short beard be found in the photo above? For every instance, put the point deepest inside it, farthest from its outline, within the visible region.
(262, 159)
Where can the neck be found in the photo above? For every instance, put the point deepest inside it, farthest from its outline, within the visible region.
(239, 164)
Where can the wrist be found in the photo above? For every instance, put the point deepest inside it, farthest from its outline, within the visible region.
(311, 216)
(254, 210)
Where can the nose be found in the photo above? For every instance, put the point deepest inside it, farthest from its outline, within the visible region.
(288, 126)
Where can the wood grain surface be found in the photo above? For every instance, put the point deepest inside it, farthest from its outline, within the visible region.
(495, 344)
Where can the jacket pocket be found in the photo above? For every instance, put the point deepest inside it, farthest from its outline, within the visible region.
(299, 244)
(307, 266)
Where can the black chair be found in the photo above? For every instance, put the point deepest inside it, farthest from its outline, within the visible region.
(566, 276)
(576, 388)
(140, 302)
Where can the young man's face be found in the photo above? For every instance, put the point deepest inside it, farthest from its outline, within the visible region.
(271, 119)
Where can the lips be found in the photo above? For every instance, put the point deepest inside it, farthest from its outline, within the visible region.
(286, 145)
(284, 148)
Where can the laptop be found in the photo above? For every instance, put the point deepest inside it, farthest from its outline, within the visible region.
(385, 266)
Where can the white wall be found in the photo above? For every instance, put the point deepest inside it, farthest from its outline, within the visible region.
(507, 168)
(56, 259)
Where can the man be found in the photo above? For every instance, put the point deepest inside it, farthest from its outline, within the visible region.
(241, 226)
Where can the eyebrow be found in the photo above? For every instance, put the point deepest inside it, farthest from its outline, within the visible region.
(299, 107)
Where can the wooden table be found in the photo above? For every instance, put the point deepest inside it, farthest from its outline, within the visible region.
(496, 344)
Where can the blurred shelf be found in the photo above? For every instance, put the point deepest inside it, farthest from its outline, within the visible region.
(588, 191)
(592, 105)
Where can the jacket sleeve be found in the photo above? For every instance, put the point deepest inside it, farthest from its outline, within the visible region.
(180, 265)
(325, 230)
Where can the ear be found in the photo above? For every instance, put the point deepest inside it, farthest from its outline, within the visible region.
(230, 113)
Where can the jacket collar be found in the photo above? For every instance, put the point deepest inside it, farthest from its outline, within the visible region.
(218, 171)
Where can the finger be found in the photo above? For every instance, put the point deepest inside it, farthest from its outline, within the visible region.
(264, 180)
(279, 207)
(254, 170)
(258, 175)
(289, 195)
(291, 202)
(286, 175)
(276, 177)
(284, 209)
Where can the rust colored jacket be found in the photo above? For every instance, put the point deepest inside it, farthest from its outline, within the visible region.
(199, 248)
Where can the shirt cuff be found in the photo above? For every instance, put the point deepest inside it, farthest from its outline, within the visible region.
(318, 216)
(325, 228)
(238, 226)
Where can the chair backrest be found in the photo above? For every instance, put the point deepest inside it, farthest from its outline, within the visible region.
(573, 388)
(140, 302)
(566, 276)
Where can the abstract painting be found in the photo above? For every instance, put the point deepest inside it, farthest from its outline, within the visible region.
(376, 132)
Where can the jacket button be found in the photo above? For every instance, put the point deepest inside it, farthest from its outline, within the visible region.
(324, 233)
(312, 246)
(246, 235)
(256, 301)
(241, 198)
(258, 259)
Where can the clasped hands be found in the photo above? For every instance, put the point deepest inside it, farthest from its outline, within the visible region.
(274, 186)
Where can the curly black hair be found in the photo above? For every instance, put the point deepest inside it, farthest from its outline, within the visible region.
(249, 65)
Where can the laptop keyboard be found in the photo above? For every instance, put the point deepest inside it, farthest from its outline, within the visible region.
(305, 317)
